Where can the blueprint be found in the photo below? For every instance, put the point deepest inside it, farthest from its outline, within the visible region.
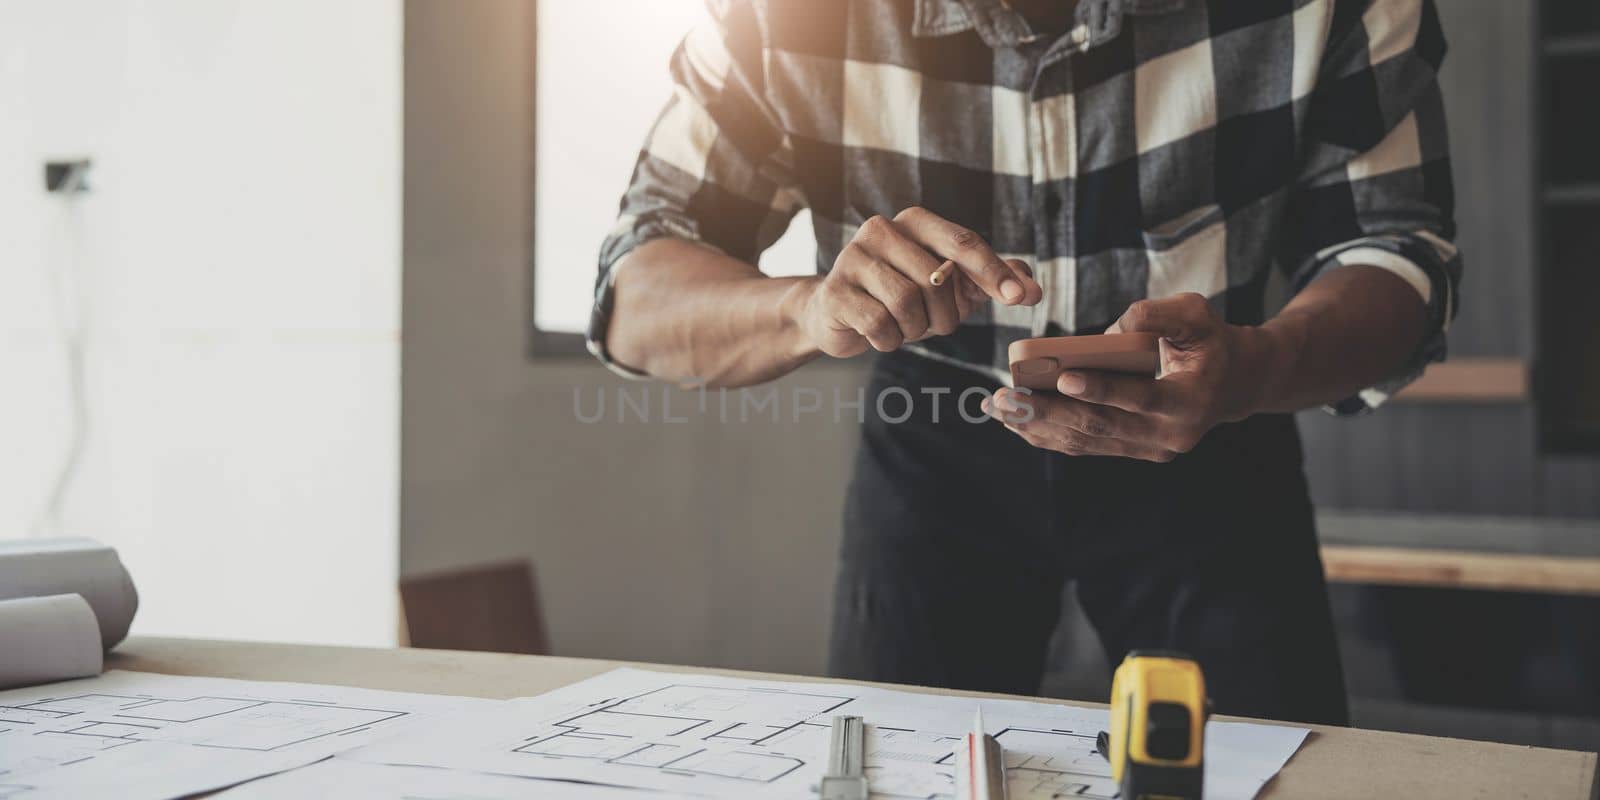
(357, 780)
(737, 738)
(135, 735)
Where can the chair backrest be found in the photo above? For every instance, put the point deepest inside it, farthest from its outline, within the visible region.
(491, 607)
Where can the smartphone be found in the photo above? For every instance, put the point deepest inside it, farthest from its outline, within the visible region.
(1035, 363)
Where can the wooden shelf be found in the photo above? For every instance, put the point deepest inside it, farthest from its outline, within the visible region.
(1573, 45)
(1470, 380)
(1542, 555)
(1573, 194)
(1460, 569)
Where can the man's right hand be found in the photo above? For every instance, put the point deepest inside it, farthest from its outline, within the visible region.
(878, 293)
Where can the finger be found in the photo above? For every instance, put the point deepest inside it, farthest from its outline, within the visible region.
(889, 245)
(1035, 291)
(939, 302)
(895, 292)
(971, 254)
(1180, 318)
(1131, 393)
(944, 306)
(861, 312)
(1064, 419)
(944, 312)
(888, 240)
(1010, 409)
(1072, 442)
(976, 297)
(1098, 421)
(1031, 439)
(1080, 445)
(963, 295)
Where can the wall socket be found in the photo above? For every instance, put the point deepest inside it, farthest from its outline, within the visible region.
(67, 177)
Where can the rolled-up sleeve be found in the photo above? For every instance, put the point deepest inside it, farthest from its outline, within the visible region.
(1376, 184)
(716, 168)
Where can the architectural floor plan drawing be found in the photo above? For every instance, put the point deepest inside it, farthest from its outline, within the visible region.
(747, 734)
(733, 738)
(135, 735)
(345, 779)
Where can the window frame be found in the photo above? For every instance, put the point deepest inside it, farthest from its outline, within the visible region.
(541, 344)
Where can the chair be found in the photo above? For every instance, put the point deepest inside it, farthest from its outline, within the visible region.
(493, 607)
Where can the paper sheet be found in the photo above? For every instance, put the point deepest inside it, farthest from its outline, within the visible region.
(732, 738)
(37, 567)
(354, 780)
(133, 735)
(48, 638)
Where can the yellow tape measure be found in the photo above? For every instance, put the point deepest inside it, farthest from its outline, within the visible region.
(1158, 722)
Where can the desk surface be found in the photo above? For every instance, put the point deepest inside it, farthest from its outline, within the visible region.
(1334, 762)
(1486, 553)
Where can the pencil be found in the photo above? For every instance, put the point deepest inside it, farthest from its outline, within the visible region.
(942, 274)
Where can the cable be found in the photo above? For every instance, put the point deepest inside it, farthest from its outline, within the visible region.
(69, 302)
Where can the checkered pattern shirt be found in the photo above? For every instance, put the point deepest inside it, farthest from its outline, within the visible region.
(1156, 147)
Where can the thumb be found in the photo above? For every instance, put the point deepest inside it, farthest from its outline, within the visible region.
(1181, 319)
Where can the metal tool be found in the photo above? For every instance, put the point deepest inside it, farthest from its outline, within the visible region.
(980, 765)
(1158, 723)
(847, 761)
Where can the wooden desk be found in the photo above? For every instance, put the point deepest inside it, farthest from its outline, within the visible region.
(1461, 569)
(1485, 553)
(1334, 762)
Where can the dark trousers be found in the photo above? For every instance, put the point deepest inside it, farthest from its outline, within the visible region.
(959, 539)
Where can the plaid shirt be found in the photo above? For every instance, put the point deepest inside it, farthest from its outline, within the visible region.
(1159, 146)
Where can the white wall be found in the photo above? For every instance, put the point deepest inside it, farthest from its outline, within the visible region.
(694, 543)
(239, 257)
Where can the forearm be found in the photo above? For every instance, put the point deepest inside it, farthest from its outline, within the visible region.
(1348, 330)
(684, 312)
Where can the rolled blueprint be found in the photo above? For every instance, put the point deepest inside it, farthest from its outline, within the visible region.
(38, 567)
(48, 639)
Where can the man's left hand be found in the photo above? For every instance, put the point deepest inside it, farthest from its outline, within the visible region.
(1211, 372)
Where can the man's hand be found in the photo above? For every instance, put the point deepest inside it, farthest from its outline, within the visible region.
(1211, 372)
(878, 293)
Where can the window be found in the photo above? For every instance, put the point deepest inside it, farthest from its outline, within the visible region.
(601, 78)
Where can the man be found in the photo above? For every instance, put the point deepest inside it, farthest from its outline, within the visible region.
(1104, 165)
